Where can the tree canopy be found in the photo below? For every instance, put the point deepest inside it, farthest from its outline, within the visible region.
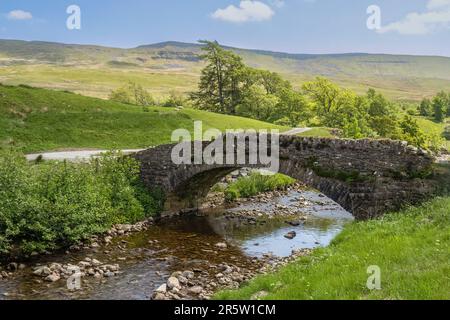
(227, 85)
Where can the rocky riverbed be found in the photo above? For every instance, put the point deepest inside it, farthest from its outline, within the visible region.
(202, 284)
(184, 257)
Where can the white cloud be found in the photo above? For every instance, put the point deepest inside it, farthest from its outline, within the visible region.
(248, 10)
(20, 15)
(437, 17)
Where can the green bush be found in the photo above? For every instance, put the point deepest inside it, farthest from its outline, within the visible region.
(413, 134)
(446, 133)
(56, 204)
(256, 183)
(132, 93)
(174, 100)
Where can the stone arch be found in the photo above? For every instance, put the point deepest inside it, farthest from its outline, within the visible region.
(366, 177)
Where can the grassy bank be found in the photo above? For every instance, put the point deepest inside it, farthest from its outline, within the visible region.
(318, 132)
(256, 183)
(35, 120)
(53, 205)
(432, 127)
(411, 248)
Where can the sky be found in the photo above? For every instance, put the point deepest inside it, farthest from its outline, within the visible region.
(419, 27)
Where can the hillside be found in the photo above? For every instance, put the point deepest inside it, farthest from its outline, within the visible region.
(162, 67)
(34, 119)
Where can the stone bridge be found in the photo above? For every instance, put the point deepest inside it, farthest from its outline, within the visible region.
(366, 177)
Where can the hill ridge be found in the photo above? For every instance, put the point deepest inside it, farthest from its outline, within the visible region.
(172, 65)
(182, 44)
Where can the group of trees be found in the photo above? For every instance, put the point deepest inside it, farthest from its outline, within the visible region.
(438, 107)
(229, 86)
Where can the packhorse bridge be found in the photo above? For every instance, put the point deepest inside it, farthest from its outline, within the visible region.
(366, 177)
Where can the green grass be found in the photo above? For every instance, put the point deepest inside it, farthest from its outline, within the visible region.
(95, 70)
(411, 248)
(256, 183)
(431, 127)
(40, 120)
(318, 132)
(98, 81)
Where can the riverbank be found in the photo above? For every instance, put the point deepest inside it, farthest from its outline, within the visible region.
(50, 206)
(411, 248)
(205, 251)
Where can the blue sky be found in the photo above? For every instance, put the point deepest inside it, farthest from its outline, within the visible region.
(298, 26)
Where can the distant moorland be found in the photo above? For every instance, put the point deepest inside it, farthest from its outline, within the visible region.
(174, 66)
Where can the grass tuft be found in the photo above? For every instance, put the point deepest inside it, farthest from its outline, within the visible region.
(256, 183)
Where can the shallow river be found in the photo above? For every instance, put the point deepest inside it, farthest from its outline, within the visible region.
(188, 243)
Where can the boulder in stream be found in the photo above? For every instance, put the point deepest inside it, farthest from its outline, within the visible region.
(290, 235)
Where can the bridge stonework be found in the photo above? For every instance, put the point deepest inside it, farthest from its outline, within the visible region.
(366, 177)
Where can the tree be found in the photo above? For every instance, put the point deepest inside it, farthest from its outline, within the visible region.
(352, 129)
(132, 93)
(352, 117)
(324, 94)
(293, 108)
(385, 126)
(272, 82)
(440, 106)
(382, 117)
(221, 80)
(339, 108)
(412, 132)
(426, 108)
(257, 104)
(378, 104)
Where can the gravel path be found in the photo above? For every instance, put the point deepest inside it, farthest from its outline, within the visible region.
(73, 155)
(295, 131)
(82, 155)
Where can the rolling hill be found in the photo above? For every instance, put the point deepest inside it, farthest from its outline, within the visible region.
(35, 119)
(167, 66)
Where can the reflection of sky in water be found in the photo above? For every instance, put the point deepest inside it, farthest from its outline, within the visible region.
(275, 242)
(325, 220)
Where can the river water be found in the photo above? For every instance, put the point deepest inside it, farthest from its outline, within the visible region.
(149, 257)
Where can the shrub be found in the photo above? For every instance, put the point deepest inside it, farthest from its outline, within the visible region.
(425, 108)
(440, 104)
(446, 133)
(56, 204)
(121, 95)
(174, 100)
(132, 93)
(412, 133)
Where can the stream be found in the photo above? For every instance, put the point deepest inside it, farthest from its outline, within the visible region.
(189, 242)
